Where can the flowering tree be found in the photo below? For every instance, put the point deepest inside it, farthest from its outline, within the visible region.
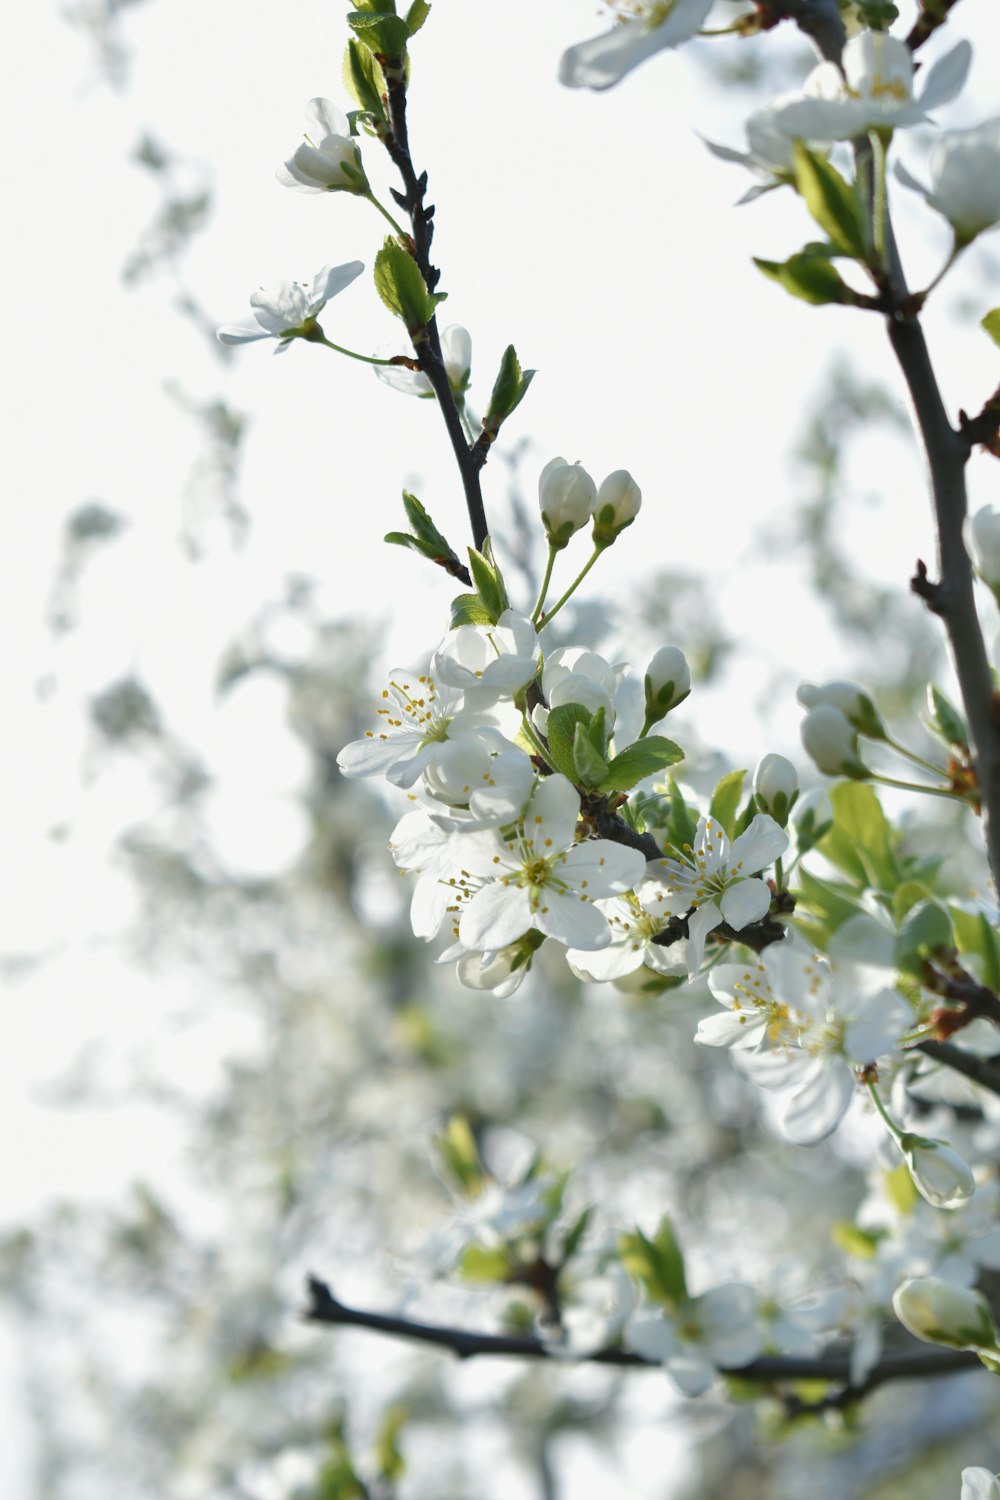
(549, 807)
(548, 824)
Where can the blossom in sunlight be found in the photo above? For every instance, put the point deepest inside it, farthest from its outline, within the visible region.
(770, 153)
(633, 944)
(643, 28)
(700, 1336)
(572, 674)
(874, 91)
(289, 309)
(416, 718)
(541, 878)
(964, 167)
(501, 658)
(566, 499)
(979, 1484)
(328, 161)
(717, 880)
(456, 351)
(480, 774)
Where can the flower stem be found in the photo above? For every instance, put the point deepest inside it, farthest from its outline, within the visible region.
(917, 760)
(545, 586)
(367, 359)
(880, 200)
(534, 739)
(573, 586)
(881, 1110)
(914, 786)
(386, 215)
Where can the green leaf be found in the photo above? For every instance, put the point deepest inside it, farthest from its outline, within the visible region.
(906, 896)
(834, 904)
(468, 609)
(680, 824)
(810, 277)
(377, 7)
(383, 33)
(726, 801)
(861, 1243)
(459, 1155)
(363, 79)
(509, 389)
(925, 931)
(417, 15)
(901, 1190)
(831, 200)
(859, 843)
(991, 323)
(389, 1460)
(946, 719)
(573, 1236)
(589, 765)
(488, 580)
(402, 288)
(561, 734)
(426, 539)
(974, 934)
(640, 760)
(484, 1264)
(658, 1263)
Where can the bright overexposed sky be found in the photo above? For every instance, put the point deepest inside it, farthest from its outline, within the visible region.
(596, 233)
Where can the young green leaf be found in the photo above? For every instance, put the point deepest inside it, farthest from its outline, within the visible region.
(639, 760)
(468, 609)
(658, 1263)
(382, 32)
(561, 734)
(831, 200)
(809, 277)
(946, 719)
(726, 801)
(417, 15)
(589, 765)
(402, 288)
(991, 323)
(509, 389)
(363, 79)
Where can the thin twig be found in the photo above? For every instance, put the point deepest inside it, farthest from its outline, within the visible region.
(421, 215)
(818, 19)
(933, 15)
(770, 1369)
(981, 1070)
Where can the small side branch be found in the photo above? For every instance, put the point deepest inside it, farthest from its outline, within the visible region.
(820, 20)
(770, 1370)
(934, 13)
(421, 215)
(981, 1070)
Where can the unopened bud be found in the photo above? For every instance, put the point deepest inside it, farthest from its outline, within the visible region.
(941, 1313)
(667, 683)
(617, 505)
(939, 1174)
(852, 701)
(832, 742)
(776, 786)
(566, 498)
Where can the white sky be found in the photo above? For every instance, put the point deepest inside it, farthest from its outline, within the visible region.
(594, 232)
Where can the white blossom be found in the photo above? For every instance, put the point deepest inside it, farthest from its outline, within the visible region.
(701, 1335)
(456, 352)
(717, 880)
(501, 658)
(771, 149)
(831, 741)
(874, 91)
(633, 944)
(540, 877)
(979, 1484)
(416, 718)
(566, 498)
(329, 160)
(283, 310)
(965, 179)
(982, 540)
(940, 1313)
(644, 27)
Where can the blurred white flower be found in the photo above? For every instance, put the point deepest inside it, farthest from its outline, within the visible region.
(644, 27)
(965, 179)
(284, 310)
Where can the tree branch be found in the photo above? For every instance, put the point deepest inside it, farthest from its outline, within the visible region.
(818, 19)
(981, 1070)
(421, 215)
(770, 1369)
(934, 13)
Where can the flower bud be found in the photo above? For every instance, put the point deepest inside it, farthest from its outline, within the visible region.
(566, 497)
(832, 742)
(982, 540)
(776, 786)
(617, 505)
(941, 1313)
(667, 683)
(939, 1174)
(965, 179)
(979, 1484)
(852, 701)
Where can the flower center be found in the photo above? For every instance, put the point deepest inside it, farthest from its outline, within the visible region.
(649, 13)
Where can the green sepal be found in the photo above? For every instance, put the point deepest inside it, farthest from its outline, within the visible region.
(389, 1460)
(377, 7)
(657, 1263)
(427, 540)
(573, 1236)
(561, 735)
(363, 79)
(831, 200)
(810, 276)
(483, 1264)
(860, 843)
(639, 760)
(878, 15)
(488, 580)
(417, 15)
(946, 720)
(509, 389)
(468, 609)
(589, 765)
(926, 930)
(402, 288)
(853, 1240)
(459, 1155)
(383, 33)
(991, 323)
(726, 801)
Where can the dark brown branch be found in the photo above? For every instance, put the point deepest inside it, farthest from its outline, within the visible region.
(981, 1070)
(421, 215)
(818, 19)
(934, 13)
(769, 1370)
(984, 427)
